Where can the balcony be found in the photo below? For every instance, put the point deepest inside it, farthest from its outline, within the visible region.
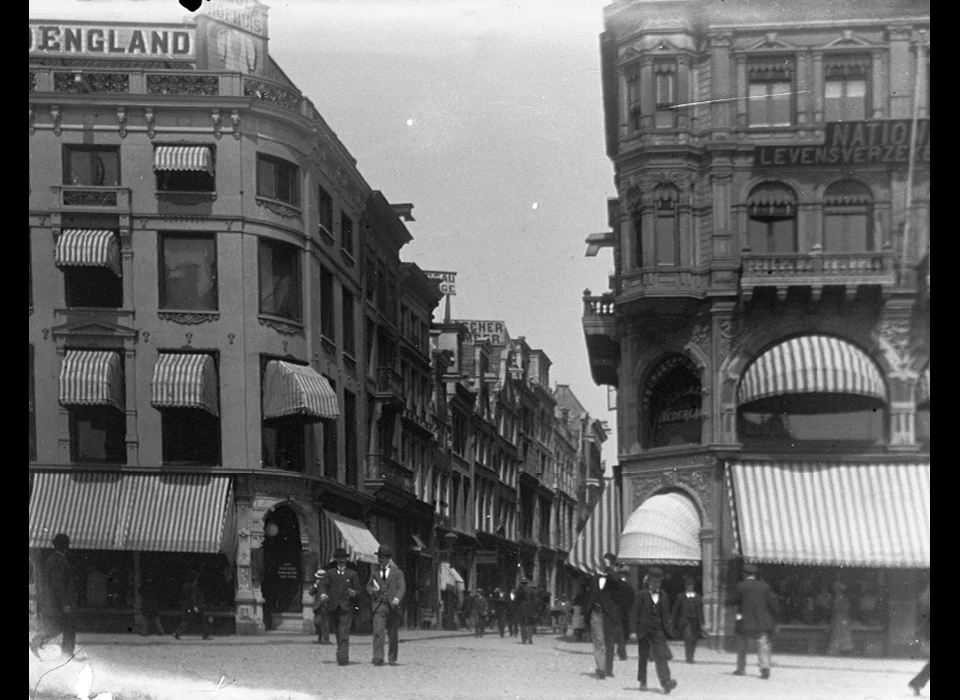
(382, 470)
(420, 422)
(816, 270)
(390, 388)
(113, 200)
(600, 331)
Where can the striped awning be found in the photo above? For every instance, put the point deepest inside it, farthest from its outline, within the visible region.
(292, 390)
(450, 577)
(185, 380)
(923, 388)
(812, 364)
(183, 158)
(665, 529)
(81, 247)
(833, 514)
(601, 532)
(139, 512)
(92, 378)
(352, 535)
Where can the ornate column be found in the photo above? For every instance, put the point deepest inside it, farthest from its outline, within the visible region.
(647, 90)
(893, 342)
(817, 87)
(248, 603)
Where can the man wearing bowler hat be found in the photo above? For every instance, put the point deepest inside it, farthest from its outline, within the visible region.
(386, 588)
(338, 590)
(653, 627)
(757, 611)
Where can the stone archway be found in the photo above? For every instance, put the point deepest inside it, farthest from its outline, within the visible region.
(281, 585)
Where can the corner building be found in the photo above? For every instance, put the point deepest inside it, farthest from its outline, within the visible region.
(214, 336)
(767, 323)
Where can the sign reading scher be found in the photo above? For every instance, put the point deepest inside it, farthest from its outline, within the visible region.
(875, 142)
(82, 39)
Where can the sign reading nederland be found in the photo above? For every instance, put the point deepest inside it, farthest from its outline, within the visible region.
(878, 142)
(79, 39)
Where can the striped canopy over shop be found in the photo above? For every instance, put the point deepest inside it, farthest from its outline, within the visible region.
(183, 158)
(812, 364)
(601, 533)
(88, 248)
(843, 514)
(185, 380)
(450, 577)
(92, 378)
(665, 529)
(923, 388)
(297, 390)
(133, 512)
(355, 537)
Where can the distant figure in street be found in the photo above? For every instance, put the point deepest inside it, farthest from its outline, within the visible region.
(923, 607)
(602, 606)
(466, 609)
(499, 602)
(56, 600)
(386, 589)
(841, 633)
(688, 618)
(526, 611)
(338, 591)
(513, 614)
(192, 607)
(150, 606)
(579, 621)
(479, 613)
(653, 627)
(565, 611)
(757, 611)
(626, 610)
(321, 622)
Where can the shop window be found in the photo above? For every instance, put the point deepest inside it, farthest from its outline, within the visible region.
(97, 434)
(91, 166)
(190, 436)
(845, 83)
(325, 210)
(665, 232)
(665, 84)
(807, 593)
(770, 92)
(280, 287)
(284, 443)
(772, 222)
(672, 404)
(188, 272)
(848, 218)
(278, 179)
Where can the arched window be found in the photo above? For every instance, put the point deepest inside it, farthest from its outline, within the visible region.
(810, 392)
(772, 226)
(672, 404)
(848, 218)
(666, 239)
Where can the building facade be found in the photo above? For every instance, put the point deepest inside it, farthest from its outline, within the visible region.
(767, 324)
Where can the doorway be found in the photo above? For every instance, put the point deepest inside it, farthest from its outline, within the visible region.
(282, 585)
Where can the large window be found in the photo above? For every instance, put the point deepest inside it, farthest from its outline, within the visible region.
(91, 265)
(280, 287)
(188, 272)
(665, 231)
(672, 404)
(284, 443)
(772, 223)
(845, 82)
(346, 233)
(278, 179)
(190, 436)
(348, 323)
(92, 287)
(770, 92)
(325, 210)
(91, 166)
(185, 168)
(665, 83)
(97, 434)
(848, 218)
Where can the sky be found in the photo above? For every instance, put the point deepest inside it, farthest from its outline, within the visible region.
(486, 115)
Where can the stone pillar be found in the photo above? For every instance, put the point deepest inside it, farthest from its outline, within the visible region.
(720, 89)
(249, 618)
(647, 97)
(900, 71)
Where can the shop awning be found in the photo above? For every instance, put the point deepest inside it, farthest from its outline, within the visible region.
(923, 388)
(665, 529)
(185, 380)
(353, 536)
(183, 158)
(142, 512)
(601, 533)
(297, 390)
(92, 378)
(450, 578)
(88, 248)
(833, 514)
(418, 544)
(812, 364)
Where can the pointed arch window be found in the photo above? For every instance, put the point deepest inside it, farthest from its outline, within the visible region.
(848, 218)
(772, 223)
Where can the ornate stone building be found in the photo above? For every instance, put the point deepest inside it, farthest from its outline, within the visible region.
(766, 326)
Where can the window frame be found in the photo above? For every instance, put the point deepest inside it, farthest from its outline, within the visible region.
(325, 210)
(202, 176)
(71, 148)
(278, 164)
(664, 210)
(162, 277)
(114, 418)
(347, 241)
(844, 214)
(844, 100)
(297, 273)
(665, 113)
(769, 79)
(84, 283)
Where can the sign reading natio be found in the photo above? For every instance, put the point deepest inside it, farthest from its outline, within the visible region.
(170, 42)
(494, 331)
(878, 142)
(448, 281)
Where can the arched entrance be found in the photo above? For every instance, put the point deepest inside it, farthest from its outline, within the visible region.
(282, 565)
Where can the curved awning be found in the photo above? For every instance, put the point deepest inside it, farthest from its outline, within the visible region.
(183, 158)
(92, 378)
(923, 388)
(185, 380)
(665, 529)
(450, 578)
(88, 248)
(297, 390)
(812, 364)
(352, 535)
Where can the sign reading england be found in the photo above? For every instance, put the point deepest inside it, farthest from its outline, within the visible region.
(81, 39)
(878, 142)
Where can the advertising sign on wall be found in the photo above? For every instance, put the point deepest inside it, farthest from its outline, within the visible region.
(88, 40)
(877, 142)
(494, 331)
(448, 281)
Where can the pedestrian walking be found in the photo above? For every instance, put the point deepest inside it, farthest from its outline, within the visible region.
(602, 607)
(338, 591)
(565, 612)
(150, 606)
(499, 602)
(841, 627)
(479, 613)
(466, 609)
(626, 610)
(56, 600)
(526, 611)
(578, 621)
(923, 607)
(386, 588)
(757, 612)
(654, 625)
(513, 612)
(321, 621)
(192, 607)
(688, 619)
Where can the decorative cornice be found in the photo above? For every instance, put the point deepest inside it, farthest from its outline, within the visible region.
(279, 208)
(187, 318)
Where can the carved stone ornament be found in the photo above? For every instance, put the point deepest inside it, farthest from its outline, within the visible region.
(122, 121)
(281, 326)
(150, 120)
(217, 122)
(726, 331)
(700, 336)
(893, 340)
(55, 116)
(683, 181)
(187, 318)
(235, 121)
(698, 481)
(279, 208)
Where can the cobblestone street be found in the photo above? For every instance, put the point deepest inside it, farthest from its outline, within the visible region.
(434, 664)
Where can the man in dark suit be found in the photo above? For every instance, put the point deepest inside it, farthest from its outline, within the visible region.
(386, 589)
(499, 602)
(757, 612)
(653, 627)
(338, 591)
(688, 617)
(526, 611)
(513, 614)
(56, 600)
(602, 608)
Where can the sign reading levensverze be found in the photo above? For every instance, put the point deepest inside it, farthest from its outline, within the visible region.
(81, 39)
(876, 142)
